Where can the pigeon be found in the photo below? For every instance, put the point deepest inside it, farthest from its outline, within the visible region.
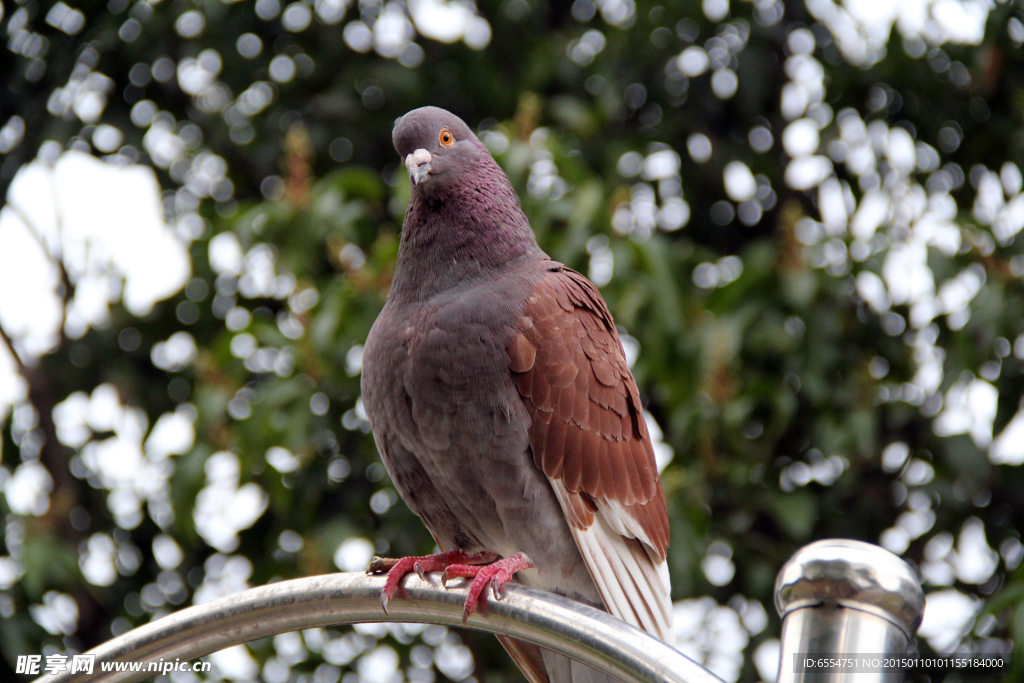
(503, 407)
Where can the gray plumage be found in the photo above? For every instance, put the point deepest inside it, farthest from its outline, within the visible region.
(499, 397)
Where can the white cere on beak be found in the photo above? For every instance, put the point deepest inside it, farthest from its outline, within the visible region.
(418, 164)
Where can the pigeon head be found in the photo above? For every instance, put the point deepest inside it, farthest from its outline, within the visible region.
(463, 221)
(437, 148)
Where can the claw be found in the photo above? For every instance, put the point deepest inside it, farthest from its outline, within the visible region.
(447, 576)
(397, 568)
(496, 575)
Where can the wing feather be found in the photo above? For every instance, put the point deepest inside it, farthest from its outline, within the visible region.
(633, 585)
(589, 437)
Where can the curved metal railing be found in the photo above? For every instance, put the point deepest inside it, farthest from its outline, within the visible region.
(835, 597)
(583, 633)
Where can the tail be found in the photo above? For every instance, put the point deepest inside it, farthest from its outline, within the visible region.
(544, 666)
(561, 669)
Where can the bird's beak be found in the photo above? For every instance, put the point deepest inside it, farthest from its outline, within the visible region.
(418, 164)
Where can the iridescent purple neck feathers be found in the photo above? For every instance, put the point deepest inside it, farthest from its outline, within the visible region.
(461, 231)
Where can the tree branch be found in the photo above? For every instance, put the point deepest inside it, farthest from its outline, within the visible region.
(58, 263)
(23, 369)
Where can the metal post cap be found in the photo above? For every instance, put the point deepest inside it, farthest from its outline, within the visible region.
(851, 574)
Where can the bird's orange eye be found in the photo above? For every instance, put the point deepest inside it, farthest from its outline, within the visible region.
(446, 138)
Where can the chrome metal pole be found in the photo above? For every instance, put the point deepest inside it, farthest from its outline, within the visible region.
(557, 623)
(841, 600)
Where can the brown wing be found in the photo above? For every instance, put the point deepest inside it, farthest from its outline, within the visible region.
(588, 430)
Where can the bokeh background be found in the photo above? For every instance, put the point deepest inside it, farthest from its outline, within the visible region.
(805, 217)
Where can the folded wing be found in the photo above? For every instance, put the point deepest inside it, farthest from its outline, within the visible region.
(589, 437)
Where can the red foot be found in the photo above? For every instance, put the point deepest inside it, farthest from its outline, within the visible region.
(397, 568)
(499, 573)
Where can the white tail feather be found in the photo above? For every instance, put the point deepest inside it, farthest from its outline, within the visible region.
(633, 585)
